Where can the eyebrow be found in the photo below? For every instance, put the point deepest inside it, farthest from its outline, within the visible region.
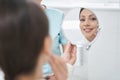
(92, 15)
(89, 15)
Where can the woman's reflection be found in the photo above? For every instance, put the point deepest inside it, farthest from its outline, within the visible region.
(88, 24)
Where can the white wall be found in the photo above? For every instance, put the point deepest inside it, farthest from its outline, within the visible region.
(104, 56)
(103, 1)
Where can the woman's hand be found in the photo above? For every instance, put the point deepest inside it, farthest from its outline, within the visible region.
(59, 68)
(69, 54)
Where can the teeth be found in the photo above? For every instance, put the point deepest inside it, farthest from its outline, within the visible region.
(87, 30)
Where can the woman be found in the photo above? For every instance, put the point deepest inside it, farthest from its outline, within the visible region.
(88, 24)
(25, 42)
(55, 18)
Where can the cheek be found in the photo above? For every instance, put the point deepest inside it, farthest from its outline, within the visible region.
(49, 45)
(81, 26)
(94, 24)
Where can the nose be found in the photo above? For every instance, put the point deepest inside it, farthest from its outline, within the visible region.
(87, 23)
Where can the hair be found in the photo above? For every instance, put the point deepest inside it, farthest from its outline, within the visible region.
(81, 11)
(23, 28)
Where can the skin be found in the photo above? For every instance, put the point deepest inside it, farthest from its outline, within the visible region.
(88, 24)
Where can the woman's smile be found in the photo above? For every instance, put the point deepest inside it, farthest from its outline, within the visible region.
(88, 30)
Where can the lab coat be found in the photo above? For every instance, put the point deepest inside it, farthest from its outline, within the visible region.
(79, 71)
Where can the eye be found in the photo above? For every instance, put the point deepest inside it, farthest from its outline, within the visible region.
(93, 19)
(82, 20)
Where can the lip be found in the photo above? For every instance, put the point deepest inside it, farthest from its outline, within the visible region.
(88, 30)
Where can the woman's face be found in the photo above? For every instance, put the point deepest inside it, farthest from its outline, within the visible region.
(88, 24)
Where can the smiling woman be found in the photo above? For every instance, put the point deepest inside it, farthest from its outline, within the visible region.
(88, 24)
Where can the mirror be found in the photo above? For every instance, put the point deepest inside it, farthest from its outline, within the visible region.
(70, 26)
(81, 27)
